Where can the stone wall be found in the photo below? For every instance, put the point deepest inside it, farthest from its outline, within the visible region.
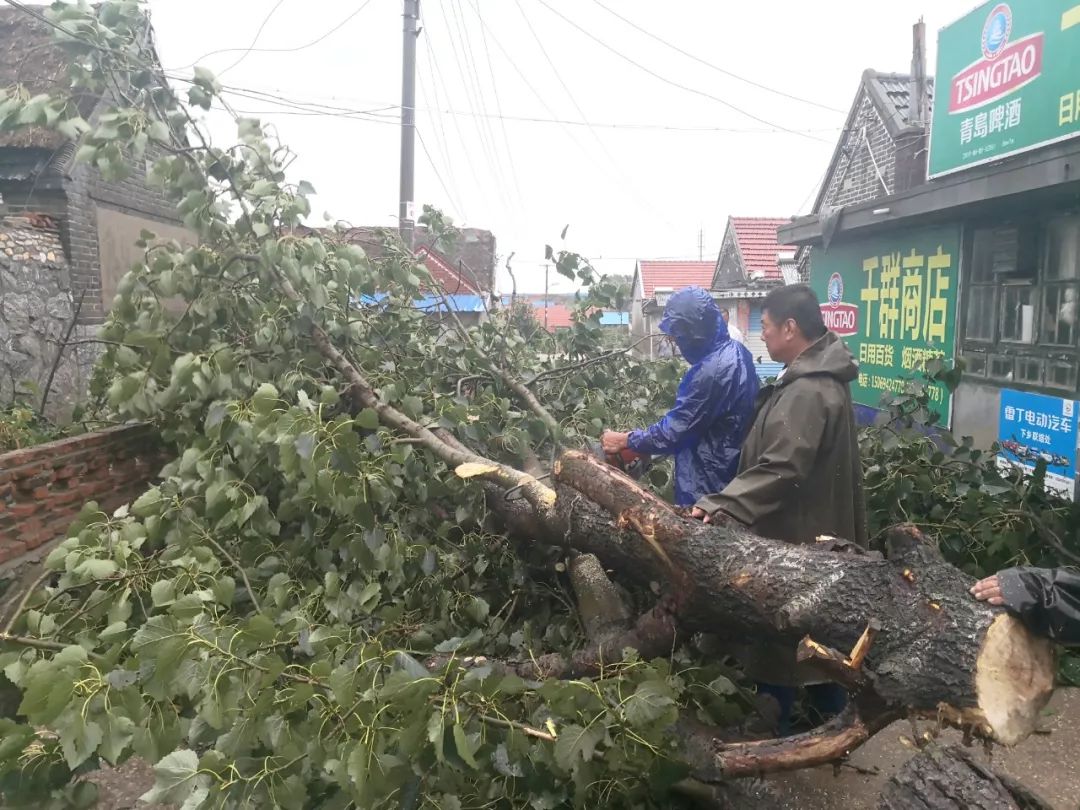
(37, 307)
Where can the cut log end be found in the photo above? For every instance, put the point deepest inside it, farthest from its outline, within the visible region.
(1014, 678)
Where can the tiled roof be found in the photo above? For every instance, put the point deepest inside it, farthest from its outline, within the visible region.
(556, 316)
(758, 247)
(445, 275)
(675, 275)
(892, 94)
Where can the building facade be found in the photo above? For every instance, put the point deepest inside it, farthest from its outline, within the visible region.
(981, 263)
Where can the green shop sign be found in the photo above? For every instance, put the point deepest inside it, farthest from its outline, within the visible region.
(893, 300)
(1008, 80)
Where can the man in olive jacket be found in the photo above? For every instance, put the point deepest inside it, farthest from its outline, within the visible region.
(800, 476)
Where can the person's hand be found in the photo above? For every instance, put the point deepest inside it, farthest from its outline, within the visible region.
(988, 590)
(701, 514)
(614, 442)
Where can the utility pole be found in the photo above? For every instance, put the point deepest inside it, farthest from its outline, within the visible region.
(406, 208)
(701, 244)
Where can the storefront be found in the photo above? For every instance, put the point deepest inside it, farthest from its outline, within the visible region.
(982, 262)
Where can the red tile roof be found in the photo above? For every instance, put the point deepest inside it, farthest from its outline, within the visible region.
(559, 316)
(675, 275)
(756, 237)
(445, 275)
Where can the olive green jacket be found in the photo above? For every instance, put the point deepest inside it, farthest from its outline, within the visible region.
(800, 476)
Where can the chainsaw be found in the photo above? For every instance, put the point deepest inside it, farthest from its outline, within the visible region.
(626, 460)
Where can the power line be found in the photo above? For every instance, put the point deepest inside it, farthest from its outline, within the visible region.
(435, 169)
(498, 106)
(493, 170)
(474, 75)
(665, 79)
(294, 49)
(619, 176)
(255, 40)
(717, 68)
(443, 147)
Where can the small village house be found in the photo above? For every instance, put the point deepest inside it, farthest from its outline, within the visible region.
(68, 235)
(750, 264)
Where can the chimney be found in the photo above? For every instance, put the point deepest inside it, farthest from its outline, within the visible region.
(919, 111)
(910, 161)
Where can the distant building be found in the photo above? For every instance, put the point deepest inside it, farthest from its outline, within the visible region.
(654, 282)
(752, 262)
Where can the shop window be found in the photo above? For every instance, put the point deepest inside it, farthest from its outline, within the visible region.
(1020, 302)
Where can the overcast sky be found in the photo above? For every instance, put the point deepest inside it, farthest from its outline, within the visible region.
(637, 166)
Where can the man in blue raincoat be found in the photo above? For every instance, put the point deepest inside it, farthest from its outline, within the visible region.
(714, 405)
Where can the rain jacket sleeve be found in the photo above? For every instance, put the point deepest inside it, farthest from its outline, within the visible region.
(796, 426)
(1046, 600)
(703, 396)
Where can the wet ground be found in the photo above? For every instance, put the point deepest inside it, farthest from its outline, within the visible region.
(1048, 763)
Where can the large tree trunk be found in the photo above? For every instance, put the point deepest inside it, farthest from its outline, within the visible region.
(950, 779)
(934, 649)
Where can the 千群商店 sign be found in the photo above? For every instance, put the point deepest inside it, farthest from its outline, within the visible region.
(1007, 80)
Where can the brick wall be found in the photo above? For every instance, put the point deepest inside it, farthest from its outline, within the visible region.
(43, 488)
(855, 180)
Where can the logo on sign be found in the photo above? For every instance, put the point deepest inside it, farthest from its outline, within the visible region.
(841, 318)
(1005, 66)
(836, 289)
(996, 31)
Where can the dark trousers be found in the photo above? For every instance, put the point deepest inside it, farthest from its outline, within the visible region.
(827, 699)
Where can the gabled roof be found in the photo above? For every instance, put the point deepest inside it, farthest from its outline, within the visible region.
(891, 93)
(673, 275)
(758, 246)
(472, 250)
(444, 274)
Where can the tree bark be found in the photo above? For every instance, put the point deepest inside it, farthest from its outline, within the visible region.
(950, 779)
(936, 649)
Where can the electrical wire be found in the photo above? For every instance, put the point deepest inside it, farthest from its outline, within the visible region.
(443, 147)
(498, 107)
(619, 176)
(668, 81)
(435, 169)
(715, 67)
(436, 78)
(488, 150)
(293, 49)
(255, 41)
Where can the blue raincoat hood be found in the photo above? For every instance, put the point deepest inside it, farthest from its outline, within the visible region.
(714, 405)
(692, 318)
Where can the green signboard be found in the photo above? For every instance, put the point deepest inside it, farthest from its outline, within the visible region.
(1008, 80)
(893, 300)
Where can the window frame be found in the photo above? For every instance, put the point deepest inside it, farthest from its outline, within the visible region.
(992, 355)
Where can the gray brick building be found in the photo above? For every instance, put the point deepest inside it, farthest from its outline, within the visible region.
(98, 220)
(881, 151)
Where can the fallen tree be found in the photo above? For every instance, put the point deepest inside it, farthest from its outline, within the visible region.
(375, 572)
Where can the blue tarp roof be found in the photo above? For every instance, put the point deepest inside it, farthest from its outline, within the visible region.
(435, 303)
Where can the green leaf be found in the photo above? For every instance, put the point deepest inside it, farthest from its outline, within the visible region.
(650, 701)
(95, 569)
(358, 767)
(175, 778)
(79, 737)
(576, 744)
(368, 419)
(464, 747)
(265, 399)
(435, 734)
